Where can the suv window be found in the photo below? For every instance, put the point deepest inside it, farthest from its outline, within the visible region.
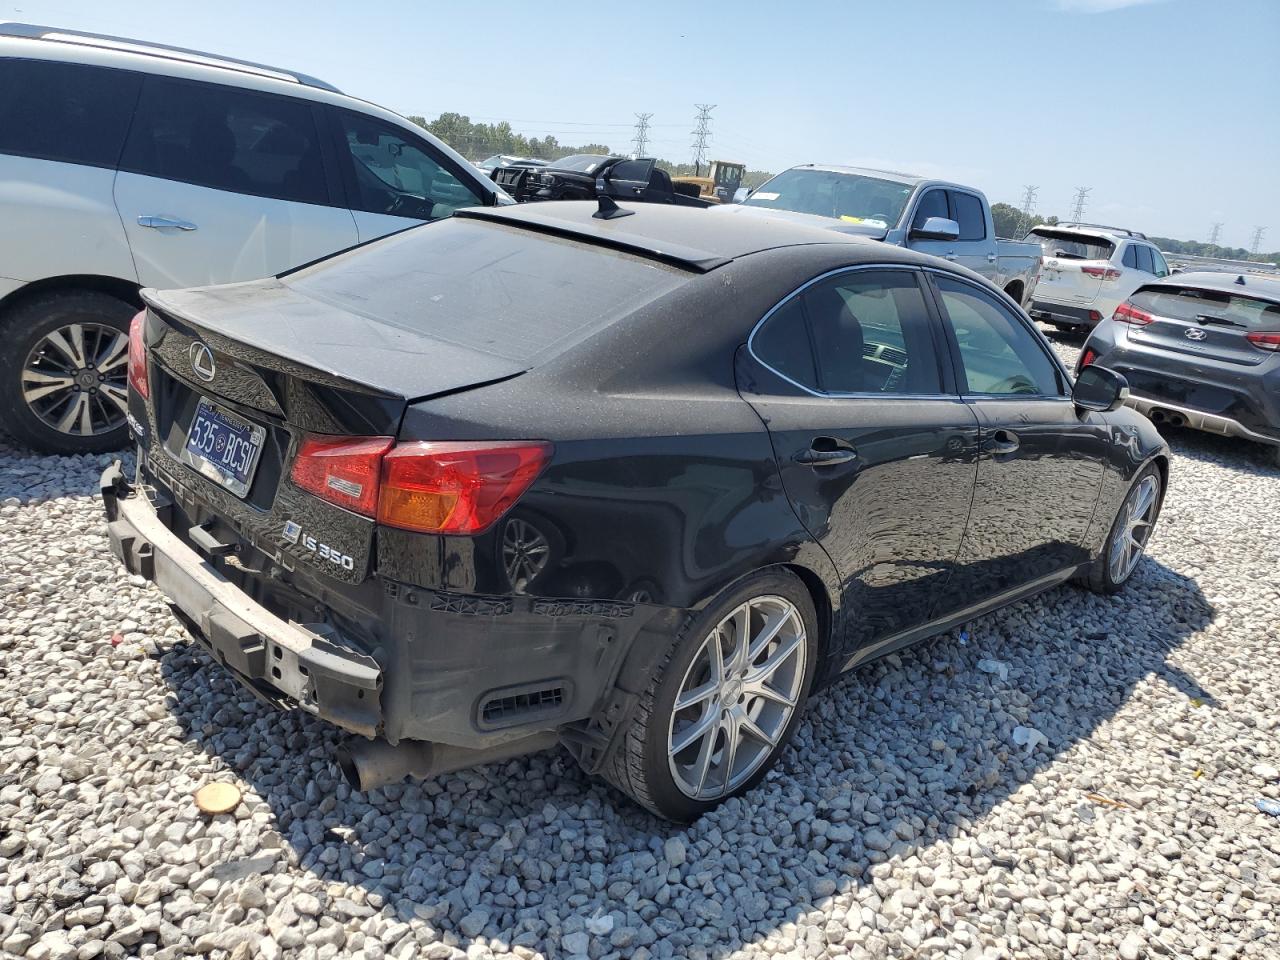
(1131, 256)
(1144, 259)
(932, 204)
(1157, 261)
(859, 332)
(228, 139)
(391, 172)
(998, 354)
(968, 213)
(65, 111)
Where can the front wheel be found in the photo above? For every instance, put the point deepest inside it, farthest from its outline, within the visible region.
(723, 702)
(1130, 533)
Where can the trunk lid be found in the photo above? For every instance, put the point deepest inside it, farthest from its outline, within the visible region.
(1075, 264)
(1209, 324)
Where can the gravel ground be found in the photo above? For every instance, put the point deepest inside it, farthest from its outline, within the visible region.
(904, 822)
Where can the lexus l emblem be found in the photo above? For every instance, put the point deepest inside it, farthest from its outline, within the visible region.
(201, 358)
(1194, 333)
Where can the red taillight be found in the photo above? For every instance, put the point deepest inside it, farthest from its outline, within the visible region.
(138, 356)
(342, 470)
(1095, 316)
(457, 488)
(1128, 313)
(1265, 340)
(1105, 273)
(1089, 356)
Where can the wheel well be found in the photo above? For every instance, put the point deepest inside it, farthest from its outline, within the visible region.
(125, 290)
(821, 601)
(1014, 290)
(1162, 464)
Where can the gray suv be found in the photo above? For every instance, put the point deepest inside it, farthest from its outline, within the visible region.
(1199, 350)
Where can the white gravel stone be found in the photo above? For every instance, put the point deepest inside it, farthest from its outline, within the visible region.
(901, 822)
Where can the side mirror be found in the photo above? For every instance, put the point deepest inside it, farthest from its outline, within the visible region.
(936, 228)
(1098, 388)
(1173, 270)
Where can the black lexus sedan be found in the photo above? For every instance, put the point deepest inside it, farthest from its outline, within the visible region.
(635, 480)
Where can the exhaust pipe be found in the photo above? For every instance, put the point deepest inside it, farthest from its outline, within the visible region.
(368, 764)
(1157, 416)
(1177, 420)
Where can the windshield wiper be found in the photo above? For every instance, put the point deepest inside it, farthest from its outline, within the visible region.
(1205, 319)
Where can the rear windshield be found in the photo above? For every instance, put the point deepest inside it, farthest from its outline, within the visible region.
(1193, 305)
(1071, 246)
(499, 290)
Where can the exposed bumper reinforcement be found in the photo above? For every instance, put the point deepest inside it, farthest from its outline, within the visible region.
(287, 664)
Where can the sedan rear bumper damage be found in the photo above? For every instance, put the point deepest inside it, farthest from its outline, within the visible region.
(286, 664)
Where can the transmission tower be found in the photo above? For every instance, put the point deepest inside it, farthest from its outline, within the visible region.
(1077, 212)
(1217, 232)
(1257, 240)
(642, 133)
(700, 136)
(1028, 208)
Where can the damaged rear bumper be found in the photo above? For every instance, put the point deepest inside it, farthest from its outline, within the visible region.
(287, 664)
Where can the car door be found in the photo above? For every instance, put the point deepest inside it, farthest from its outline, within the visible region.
(394, 179)
(1041, 460)
(220, 184)
(876, 451)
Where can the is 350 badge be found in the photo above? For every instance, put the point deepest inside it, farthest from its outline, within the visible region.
(292, 533)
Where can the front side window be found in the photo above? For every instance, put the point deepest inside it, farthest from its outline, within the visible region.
(1158, 262)
(65, 111)
(932, 204)
(861, 332)
(392, 172)
(228, 139)
(998, 354)
(1144, 259)
(968, 213)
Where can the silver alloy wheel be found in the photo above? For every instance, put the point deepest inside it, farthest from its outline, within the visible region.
(525, 552)
(1137, 517)
(737, 697)
(74, 379)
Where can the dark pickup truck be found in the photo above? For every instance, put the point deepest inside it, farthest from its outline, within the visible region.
(589, 176)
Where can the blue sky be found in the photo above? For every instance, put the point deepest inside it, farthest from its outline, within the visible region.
(1166, 108)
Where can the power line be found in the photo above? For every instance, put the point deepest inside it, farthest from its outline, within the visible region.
(1077, 213)
(1217, 231)
(1028, 208)
(641, 139)
(1257, 240)
(701, 135)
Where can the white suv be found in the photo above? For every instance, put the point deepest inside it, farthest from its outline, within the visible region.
(126, 164)
(1088, 270)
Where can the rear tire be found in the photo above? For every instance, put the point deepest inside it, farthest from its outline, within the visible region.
(1129, 534)
(62, 371)
(748, 714)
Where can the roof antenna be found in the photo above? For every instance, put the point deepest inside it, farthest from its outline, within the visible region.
(609, 210)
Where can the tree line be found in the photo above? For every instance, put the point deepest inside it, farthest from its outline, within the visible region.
(479, 140)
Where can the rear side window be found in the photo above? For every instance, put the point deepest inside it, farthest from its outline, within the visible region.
(65, 111)
(998, 354)
(228, 139)
(494, 289)
(863, 332)
(968, 213)
(1194, 306)
(1071, 246)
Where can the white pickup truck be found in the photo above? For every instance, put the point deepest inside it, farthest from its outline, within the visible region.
(935, 217)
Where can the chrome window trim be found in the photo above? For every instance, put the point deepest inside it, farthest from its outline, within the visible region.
(905, 268)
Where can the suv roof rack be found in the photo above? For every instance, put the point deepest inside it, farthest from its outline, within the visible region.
(147, 48)
(1100, 226)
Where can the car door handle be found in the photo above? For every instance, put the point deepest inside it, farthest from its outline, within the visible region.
(826, 452)
(992, 258)
(161, 223)
(1002, 441)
